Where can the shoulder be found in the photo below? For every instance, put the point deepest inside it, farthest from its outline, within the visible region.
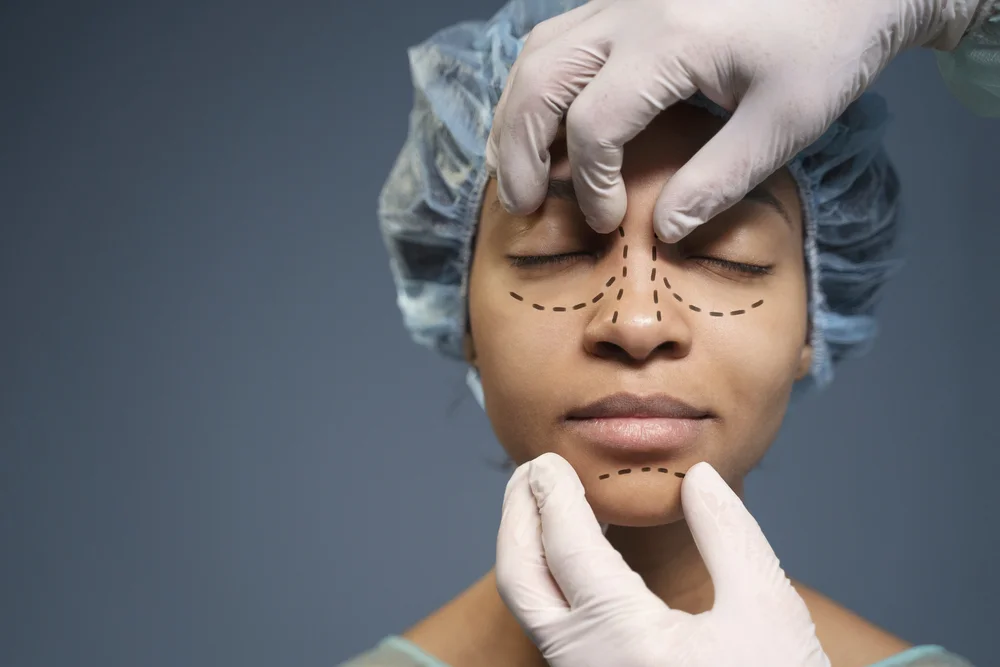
(848, 639)
(475, 629)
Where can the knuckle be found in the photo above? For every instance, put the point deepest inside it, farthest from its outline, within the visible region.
(532, 76)
(540, 35)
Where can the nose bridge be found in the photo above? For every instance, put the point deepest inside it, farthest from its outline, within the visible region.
(646, 287)
(641, 314)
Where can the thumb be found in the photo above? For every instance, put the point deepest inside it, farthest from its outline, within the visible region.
(586, 567)
(523, 579)
(746, 150)
(741, 562)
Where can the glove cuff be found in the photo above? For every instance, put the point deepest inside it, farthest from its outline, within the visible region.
(959, 19)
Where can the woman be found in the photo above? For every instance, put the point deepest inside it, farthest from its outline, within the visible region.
(630, 358)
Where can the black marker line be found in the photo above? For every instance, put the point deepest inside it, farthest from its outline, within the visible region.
(610, 282)
(625, 252)
(654, 253)
(597, 298)
(716, 314)
(537, 307)
(754, 305)
(620, 292)
(614, 318)
(579, 306)
(559, 309)
(652, 274)
(517, 296)
(656, 297)
(678, 297)
(694, 308)
(658, 319)
(627, 471)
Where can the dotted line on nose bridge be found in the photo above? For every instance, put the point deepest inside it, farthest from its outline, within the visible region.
(628, 471)
(621, 292)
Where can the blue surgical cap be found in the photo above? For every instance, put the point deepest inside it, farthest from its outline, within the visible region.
(430, 205)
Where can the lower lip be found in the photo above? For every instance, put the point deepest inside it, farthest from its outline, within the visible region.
(652, 435)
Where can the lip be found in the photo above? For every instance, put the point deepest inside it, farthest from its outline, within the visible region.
(623, 423)
(630, 406)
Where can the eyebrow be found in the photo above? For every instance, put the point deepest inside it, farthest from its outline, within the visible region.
(562, 188)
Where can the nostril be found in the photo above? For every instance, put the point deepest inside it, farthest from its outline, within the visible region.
(610, 350)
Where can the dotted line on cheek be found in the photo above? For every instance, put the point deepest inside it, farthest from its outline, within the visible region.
(597, 297)
(621, 293)
(691, 306)
(578, 306)
(628, 471)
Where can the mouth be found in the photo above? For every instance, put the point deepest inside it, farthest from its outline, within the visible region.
(656, 425)
(630, 406)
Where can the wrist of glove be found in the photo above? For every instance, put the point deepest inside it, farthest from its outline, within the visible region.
(953, 20)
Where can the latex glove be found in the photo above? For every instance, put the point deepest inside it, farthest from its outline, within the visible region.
(788, 68)
(583, 605)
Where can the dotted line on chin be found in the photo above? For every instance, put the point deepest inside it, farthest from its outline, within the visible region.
(628, 471)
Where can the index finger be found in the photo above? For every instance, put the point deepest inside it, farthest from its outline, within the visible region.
(540, 35)
(738, 556)
(542, 85)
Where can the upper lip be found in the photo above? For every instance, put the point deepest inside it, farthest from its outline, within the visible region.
(624, 405)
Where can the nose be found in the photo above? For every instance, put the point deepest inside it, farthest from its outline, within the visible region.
(642, 319)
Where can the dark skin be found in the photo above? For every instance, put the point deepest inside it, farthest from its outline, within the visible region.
(538, 365)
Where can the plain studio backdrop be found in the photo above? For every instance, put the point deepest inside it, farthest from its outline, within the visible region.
(218, 445)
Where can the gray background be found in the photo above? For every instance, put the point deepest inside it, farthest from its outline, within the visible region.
(218, 445)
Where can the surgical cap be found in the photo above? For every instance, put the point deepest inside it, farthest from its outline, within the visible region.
(430, 205)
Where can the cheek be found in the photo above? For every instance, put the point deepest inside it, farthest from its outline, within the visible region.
(756, 362)
(518, 351)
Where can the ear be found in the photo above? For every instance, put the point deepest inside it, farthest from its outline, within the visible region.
(805, 361)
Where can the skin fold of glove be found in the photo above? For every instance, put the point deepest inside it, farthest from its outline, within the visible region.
(583, 606)
(608, 67)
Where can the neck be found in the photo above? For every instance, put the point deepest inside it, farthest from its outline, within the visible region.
(668, 561)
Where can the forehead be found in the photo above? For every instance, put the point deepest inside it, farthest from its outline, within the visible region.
(668, 142)
(662, 148)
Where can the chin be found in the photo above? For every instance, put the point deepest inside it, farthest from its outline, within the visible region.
(638, 499)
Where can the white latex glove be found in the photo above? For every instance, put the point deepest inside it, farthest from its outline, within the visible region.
(582, 605)
(788, 68)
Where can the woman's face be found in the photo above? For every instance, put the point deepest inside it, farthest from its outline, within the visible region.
(649, 359)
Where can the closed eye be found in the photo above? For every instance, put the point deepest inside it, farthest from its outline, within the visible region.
(528, 261)
(742, 268)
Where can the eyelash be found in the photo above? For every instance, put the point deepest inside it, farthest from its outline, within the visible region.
(530, 261)
(739, 267)
(543, 260)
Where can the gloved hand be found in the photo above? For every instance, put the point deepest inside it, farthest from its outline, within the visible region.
(787, 68)
(582, 605)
